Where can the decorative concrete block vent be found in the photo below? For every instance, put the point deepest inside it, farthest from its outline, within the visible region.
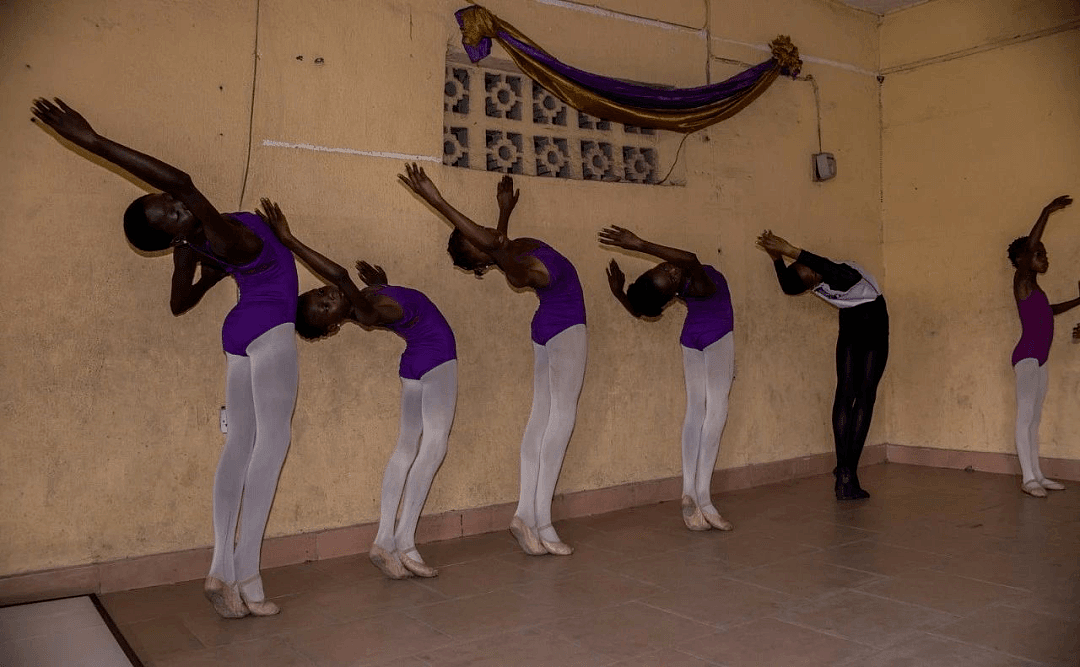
(497, 119)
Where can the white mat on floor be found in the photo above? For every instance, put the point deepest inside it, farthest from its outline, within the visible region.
(60, 633)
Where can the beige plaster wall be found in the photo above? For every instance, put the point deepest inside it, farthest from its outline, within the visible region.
(974, 145)
(110, 404)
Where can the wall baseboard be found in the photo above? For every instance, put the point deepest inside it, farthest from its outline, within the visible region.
(173, 567)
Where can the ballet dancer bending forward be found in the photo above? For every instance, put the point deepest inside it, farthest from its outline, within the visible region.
(862, 346)
(260, 348)
(1028, 255)
(428, 372)
(708, 349)
(559, 346)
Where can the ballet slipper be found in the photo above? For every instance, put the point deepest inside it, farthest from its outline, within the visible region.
(1051, 485)
(225, 598)
(257, 607)
(692, 516)
(417, 566)
(389, 563)
(847, 486)
(526, 537)
(716, 521)
(1033, 488)
(556, 548)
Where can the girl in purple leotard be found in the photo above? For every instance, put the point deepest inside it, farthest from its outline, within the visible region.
(428, 385)
(708, 356)
(260, 348)
(1028, 255)
(559, 348)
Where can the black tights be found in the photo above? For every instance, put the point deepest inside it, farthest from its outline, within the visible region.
(862, 348)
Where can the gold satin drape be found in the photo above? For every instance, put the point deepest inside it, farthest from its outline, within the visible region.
(478, 23)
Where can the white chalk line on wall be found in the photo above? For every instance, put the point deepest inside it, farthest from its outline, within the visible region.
(350, 151)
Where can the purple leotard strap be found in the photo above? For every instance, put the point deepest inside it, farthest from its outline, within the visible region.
(562, 305)
(708, 319)
(429, 342)
(1037, 322)
(268, 289)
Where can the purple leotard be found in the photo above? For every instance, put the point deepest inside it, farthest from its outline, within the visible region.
(708, 319)
(562, 304)
(1037, 323)
(429, 342)
(268, 288)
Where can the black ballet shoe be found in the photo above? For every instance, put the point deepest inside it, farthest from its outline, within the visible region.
(847, 486)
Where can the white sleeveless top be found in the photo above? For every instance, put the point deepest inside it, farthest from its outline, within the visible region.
(864, 291)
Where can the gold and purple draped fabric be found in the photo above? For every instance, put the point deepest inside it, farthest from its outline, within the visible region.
(678, 109)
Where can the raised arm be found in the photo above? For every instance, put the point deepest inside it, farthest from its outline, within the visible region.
(228, 239)
(483, 238)
(837, 276)
(617, 281)
(1035, 235)
(507, 197)
(184, 293)
(700, 283)
(330, 271)
(1059, 308)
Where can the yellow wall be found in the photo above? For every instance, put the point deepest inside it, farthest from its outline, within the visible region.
(110, 404)
(980, 132)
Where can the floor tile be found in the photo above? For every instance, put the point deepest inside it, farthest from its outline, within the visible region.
(367, 641)
(769, 641)
(1026, 634)
(864, 618)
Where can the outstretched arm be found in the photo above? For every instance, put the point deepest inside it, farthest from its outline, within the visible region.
(483, 238)
(700, 284)
(836, 276)
(184, 293)
(1035, 235)
(616, 281)
(507, 197)
(1059, 308)
(325, 268)
(228, 239)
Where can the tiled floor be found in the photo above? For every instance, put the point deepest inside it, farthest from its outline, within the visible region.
(939, 567)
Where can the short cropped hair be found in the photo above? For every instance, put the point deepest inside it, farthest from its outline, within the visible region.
(459, 249)
(645, 298)
(307, 329)
(1017, 248)
(138, 230)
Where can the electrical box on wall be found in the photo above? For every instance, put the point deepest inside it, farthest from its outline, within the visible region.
(824, 166)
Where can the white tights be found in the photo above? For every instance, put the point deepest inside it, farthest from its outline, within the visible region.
(709, 374)
(427, 412)
(557, 377)
(1031, 381)
(260, 394)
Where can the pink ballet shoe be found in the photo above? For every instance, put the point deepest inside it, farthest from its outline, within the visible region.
(417, 567)
(526, 537)
(389, 563)
(692, 516)
(1033, 488)
(1051, 485)
(262, 607)
(556, 548)
(716, 521)
(225, 598)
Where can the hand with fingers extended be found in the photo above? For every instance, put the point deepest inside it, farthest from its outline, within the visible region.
(615, 278)
(67, 122)
(506, 195)
(620, 237)
(273, 217)
(1058, 204)
(776, 246)
(418, 182)
(371, 275)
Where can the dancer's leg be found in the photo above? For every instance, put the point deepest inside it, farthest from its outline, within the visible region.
(397, 468)
(719, 371)
(695, 376)
(232, 465)
(866, 374)
(566, 373)
(273, 379)
(1027, 404)
(532, 439)
(439, 400)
